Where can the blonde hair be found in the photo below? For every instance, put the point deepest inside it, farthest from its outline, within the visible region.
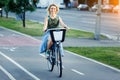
(57, 8)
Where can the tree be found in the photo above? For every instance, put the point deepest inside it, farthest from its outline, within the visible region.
(3, 3)
(20, 7)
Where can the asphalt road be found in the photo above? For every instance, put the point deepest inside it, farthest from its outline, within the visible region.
(20, 60)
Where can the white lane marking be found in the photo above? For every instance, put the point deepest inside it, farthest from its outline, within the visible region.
(7, 73)
(113, 68)
(80, 73)
(11, 48)
(18, 65)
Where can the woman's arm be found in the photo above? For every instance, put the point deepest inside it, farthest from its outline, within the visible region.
(45, 24)
(62, 23)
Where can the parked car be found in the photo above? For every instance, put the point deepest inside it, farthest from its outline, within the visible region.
(83, 7)
(116, 9)
(94, 7)
(42, 4)
(107, 8)
(62, 6)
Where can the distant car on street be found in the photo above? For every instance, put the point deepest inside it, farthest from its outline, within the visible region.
(116, 9)
(94, 7)
(62, 6)
(107, 8)
(42, 4)
(83, 7)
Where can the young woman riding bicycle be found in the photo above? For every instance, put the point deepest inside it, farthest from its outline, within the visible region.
(52, 20)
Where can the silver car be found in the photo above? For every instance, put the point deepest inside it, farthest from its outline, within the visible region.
(83, 7)
(62, 6)
(94, 8)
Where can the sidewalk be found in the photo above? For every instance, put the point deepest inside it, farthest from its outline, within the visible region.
(12, 38)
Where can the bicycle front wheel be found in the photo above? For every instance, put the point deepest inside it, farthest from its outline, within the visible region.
(50, 61)
(59, 62)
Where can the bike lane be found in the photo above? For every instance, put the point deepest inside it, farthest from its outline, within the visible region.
(11, 59)
(25, 51)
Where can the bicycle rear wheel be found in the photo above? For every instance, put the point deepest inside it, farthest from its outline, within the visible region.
(50, 61)
(59, 62)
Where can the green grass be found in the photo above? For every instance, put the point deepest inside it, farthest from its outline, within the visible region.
(107, 55)
(32, 28)
(36, 29)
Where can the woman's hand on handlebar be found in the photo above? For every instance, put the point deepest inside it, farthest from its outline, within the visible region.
(67, 28)
(44, 30)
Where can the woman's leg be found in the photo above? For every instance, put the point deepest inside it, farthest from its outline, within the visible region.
(50, 43)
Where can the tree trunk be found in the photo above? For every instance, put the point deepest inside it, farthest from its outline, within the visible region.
(6, 12)
(7, 15)
(24, 18)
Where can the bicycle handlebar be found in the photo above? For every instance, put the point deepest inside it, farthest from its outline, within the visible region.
(55, 29)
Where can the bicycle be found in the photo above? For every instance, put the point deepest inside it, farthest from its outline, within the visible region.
(54, 56)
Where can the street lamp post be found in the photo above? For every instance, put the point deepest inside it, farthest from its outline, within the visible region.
(98, 22)
(23, 15)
